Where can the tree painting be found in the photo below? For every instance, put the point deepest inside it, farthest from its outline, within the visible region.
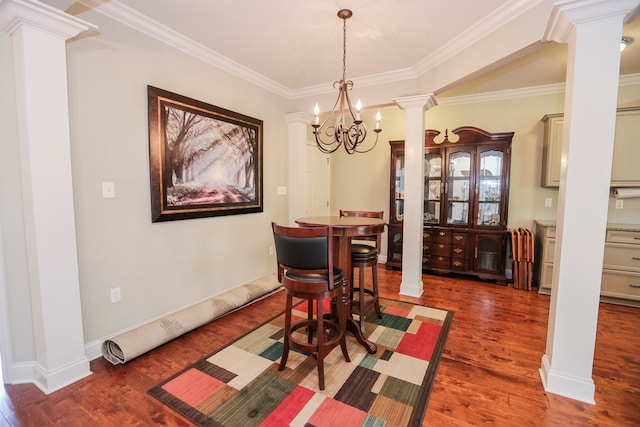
(208, 159)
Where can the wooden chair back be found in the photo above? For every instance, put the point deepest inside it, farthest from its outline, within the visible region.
(304, 251)
(366, 214)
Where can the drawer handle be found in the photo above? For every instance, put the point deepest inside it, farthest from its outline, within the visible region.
(635, 258)
(634, 286)
(442, 233)
(441, 246)
(458, 250)
(457, 263)
(458, 237)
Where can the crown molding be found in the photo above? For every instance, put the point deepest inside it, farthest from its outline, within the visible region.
(139, 22)
(626, 80)
(481, 28)
(133, 19)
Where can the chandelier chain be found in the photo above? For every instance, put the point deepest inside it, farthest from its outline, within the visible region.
(344, 49)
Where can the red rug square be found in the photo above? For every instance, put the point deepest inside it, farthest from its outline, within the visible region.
(193, 387)
(421, 344)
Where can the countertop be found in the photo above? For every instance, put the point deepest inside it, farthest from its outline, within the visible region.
(610, 226)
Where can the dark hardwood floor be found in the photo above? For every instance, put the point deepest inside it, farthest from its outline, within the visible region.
(488, 374)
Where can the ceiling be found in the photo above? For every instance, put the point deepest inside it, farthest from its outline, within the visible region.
(295, 45)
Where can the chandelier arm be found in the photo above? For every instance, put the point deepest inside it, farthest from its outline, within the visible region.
(322, 145)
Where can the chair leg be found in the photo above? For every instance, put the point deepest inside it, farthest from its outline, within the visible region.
(310, 319)
(376, 299)
(343, 308)
(287, 332)
(362, 298)
(320, 341)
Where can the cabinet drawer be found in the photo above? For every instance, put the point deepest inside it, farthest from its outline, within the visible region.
(442, 236)
(458, 264)
(458, 251)
(624, 237)
(620, 284)
(443, 249)
(459, 239)
(433, 261)
(551, 232)
(622, 257)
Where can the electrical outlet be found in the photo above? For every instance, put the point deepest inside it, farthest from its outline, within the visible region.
(619, 204)
(548, 202)
(115, 295)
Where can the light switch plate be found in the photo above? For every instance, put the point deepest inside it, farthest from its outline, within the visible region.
(548, 202)
(108, 190)
(619, 204)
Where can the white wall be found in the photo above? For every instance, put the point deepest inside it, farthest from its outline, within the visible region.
(159, 267)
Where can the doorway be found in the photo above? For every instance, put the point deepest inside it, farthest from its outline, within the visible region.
(318, 182)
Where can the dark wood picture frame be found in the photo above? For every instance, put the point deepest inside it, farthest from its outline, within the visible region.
(204, 160)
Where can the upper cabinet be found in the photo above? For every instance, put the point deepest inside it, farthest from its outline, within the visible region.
(466, 189)
(625, 171)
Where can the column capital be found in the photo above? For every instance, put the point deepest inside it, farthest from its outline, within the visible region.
(298, 117)
(567, 14)
(416, 101)
(17, 13)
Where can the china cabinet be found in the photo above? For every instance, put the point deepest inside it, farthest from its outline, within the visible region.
(624, 170)
(466, 189)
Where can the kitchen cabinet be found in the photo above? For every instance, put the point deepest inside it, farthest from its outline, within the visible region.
(466, 191)
(625, 171)
(621, 265)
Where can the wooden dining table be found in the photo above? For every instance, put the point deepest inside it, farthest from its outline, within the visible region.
(346, 228)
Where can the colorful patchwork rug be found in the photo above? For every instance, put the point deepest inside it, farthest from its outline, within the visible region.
(240, 385)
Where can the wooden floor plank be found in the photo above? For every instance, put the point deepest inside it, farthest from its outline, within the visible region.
(488, 375)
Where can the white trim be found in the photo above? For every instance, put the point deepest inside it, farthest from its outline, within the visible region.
(50, 381)
(626, 80)
(565, 385)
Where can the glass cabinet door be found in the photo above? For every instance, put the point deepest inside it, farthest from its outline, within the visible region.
(489, 188)
(457, 187)
(432, 187)
(398, 213)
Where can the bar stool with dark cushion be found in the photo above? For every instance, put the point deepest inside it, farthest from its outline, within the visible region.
(365, 255)
(305, 269)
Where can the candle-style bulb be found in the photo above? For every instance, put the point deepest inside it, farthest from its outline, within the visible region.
(378, 117)
(316, 111)
(358, 108)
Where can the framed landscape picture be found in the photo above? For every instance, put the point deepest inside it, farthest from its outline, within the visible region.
(204, 160)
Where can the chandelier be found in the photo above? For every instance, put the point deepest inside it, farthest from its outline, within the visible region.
(343, 127)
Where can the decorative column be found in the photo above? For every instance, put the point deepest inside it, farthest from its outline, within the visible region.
(298, 124)
(38, 35)
(412, 224)
(593, 30)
